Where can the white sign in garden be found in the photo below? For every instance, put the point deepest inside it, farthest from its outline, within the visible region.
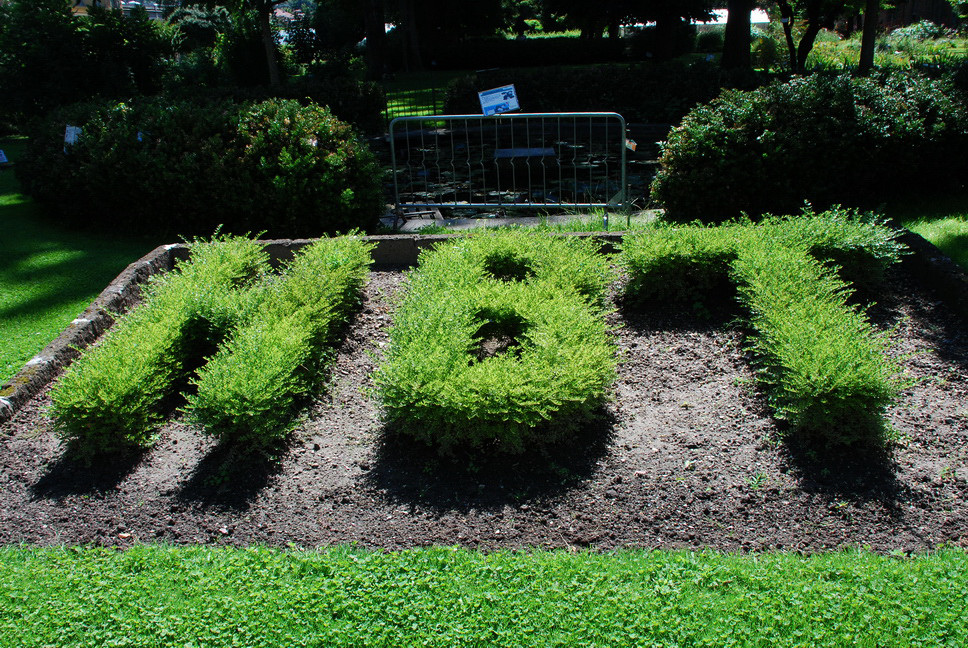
(498, 100)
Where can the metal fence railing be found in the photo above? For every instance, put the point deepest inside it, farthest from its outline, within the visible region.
(509, 161)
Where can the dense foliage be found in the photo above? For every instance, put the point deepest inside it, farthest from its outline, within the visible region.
(116, 394)
(184, 168)
(822, 363)
(49, 58)
(500, 343)
(823, 139)
(246, 393)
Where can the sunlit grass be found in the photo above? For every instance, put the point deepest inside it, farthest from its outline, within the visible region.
(204, 596)
(942, 220)
(48, 274)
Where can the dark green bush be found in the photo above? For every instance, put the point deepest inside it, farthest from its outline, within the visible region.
(247, 393)
(829, 140)
(500, 343)
(821, 361)
(115, 395)
(185, 168)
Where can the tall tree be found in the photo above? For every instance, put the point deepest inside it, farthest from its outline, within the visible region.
(738, 41)
(866, 64)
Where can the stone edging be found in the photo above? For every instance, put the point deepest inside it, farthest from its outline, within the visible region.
(926, 261)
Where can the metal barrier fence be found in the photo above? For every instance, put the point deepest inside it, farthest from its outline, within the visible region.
(510, 161)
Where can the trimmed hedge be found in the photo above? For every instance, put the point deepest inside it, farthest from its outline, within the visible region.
(820, 359)
(184, 168)
(828, 140)
(500, 342)
(115, 395)
(822, 363)
(247, 392)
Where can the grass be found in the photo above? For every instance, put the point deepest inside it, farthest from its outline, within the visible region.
(48, 273)
(942, 220)
(207, 596)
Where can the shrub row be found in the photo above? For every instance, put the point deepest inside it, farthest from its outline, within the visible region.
(248, 342)
(821, 361)
(118, 391)
(247, 391)
(184, 168)
(500, 342)
(828, 140)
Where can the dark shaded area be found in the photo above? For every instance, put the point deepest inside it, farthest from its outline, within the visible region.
(415, 474)
(75, 472)
(230, 479)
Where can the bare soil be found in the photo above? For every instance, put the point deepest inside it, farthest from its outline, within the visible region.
(686, 454)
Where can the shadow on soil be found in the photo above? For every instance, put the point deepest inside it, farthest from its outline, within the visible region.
(853, 474)
(71, 474)
(415, 474)
(230, 480)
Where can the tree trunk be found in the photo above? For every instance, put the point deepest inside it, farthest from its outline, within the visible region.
(871, 11)
(411, 39)
(665, 36)
(375, 21)
(265, 26)
(736, 46)
(786, 18)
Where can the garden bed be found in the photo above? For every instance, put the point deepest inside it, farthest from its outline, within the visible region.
(685, 455)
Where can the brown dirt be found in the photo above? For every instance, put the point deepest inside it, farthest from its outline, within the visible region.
(686, 455)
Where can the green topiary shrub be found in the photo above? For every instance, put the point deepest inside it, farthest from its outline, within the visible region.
(246, 394)
(185, 168)
(828, 140)
(499, 343)
(116, 394)
(822, 363)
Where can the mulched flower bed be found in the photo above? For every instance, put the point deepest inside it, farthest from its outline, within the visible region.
(685, 455)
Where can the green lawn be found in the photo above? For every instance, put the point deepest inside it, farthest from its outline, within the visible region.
(204, 596)
(943, 221)
(48, 274)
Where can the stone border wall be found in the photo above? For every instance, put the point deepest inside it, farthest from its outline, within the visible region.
(397, 251)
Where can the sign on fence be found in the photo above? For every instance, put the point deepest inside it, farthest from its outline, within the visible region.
(498, 100)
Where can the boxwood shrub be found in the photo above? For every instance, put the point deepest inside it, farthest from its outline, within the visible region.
(183, 168)
(248, 391)
(114, 396)
(828, 140)
(822, 363)
(500, 343)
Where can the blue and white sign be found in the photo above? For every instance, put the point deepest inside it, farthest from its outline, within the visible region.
(3, 157)
(499, 100)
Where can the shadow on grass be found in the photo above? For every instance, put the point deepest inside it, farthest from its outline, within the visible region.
(411, 473)
(74, 473)
(229, 479)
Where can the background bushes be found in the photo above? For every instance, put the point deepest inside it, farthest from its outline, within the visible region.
(823, 139)
(184, 168)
